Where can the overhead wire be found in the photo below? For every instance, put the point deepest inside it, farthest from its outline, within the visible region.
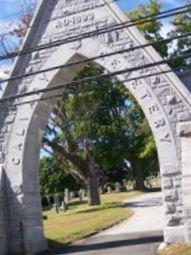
(114, 82)
(106, 55)
(120, 72)
(65, 15)
(101, 31)
(85, 61)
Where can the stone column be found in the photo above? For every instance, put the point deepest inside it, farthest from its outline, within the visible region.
(3, 213)
(184, 132)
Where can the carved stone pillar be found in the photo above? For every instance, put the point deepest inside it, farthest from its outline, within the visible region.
(3, 218)
(184, 132)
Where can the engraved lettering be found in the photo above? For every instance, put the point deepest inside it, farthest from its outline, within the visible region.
(187, 212)
(1, 146)
(76, 20)
(10, 119)
(4, 129)
(160, 123)
(115, 63)
(166, 138)
(146, 95)
(44, 77)
(135, 84)
(16, 161)
(153, 109)
(19, 146)
(24, 119)
(155, 80)
(21, 132)
(2, 157)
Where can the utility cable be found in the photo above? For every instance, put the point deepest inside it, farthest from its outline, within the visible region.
(120, 72)
(96, 32)
(85, 61)
(114, 82)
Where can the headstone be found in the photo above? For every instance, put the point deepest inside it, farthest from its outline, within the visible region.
(108, 189)
(72, 194)
(118, 187)
(80, 194)
(84, 192)
(55, 208)
(56, 204)
(48, 200)
(64, 206)
(101, 190)
(66, 196)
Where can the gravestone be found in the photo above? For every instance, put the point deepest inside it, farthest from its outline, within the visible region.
(64, 206)
(67, 196)
(118, 187)
(80, 194)
(109, 190)
(56, 204)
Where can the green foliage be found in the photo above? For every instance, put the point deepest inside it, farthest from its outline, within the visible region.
(103, 113)
(150, 29)
(181, 25)
(54, 177)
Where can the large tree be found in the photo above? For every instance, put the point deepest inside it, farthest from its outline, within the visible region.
(181, 24)
(95, 129)
(151, 29)
(98, 126)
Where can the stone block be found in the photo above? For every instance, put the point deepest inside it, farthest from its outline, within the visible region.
(167, 183)
(178, 182)
(170, 208)
(187, 213)
(171, 195)
(184, 129)
(173, 234)
(172, 220)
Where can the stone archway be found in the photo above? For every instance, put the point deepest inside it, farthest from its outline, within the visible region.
(163, 98)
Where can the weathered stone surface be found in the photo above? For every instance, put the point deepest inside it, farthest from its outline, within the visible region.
(171, 195)
(170, 208)
(184, 129)
(163, 98)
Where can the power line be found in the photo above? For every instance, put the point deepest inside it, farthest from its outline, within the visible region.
(114, 82)
(66, 15)
(21, 76)
(97, 32)
(60, 86)
(95, 58)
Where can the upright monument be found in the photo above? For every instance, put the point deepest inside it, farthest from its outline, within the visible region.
(164, 99)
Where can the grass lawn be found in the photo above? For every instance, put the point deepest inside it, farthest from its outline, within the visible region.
(80, 220)
(177, 249)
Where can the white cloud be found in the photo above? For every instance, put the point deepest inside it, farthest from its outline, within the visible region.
(166, 28)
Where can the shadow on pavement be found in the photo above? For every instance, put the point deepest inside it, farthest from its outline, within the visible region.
(145, 203)
(108, 244)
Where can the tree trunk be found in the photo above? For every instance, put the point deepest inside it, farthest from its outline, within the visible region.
(92, 182)
(93, 191)
(138, 176)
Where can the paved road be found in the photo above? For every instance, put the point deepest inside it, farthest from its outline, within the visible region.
(141, 235)
(148, 216)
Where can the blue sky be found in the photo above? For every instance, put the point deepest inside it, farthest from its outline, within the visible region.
(8, 7)
(12, 8)
(131, 4)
